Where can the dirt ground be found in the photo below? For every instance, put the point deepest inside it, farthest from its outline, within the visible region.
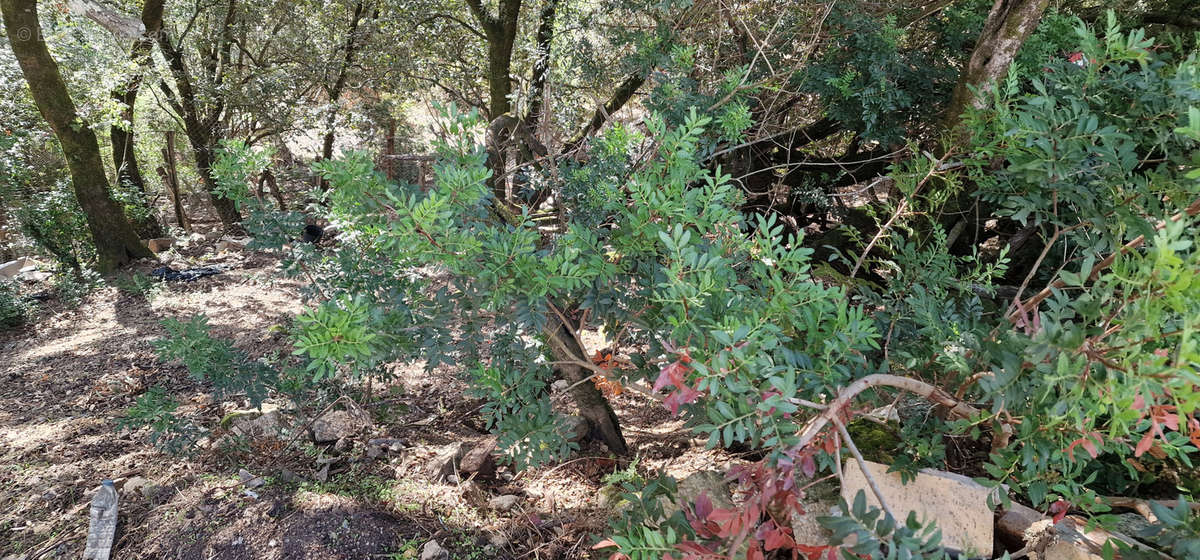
(67, 380)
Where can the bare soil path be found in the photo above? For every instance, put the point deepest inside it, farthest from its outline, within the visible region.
(66, 381)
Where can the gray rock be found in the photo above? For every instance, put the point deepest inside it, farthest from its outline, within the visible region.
(136, 485)
(12, 268)
(160, 244)
(504, 503)
(447, 461)
(249, 480)
(34, 276)
(388, 444)
(254, 424)
(434, 551)
(710, 483)
(819, 500)
(338, 424)
(228, 244)
(559, 386)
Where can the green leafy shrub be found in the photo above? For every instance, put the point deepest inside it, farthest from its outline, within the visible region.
(229, 370)
(870, 533)
(155, 410)
(14, 309)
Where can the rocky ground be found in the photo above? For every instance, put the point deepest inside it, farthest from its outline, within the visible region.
(401, 472)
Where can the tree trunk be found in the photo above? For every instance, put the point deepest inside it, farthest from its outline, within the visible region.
(335, 93)
(170, 177)
(116, 241)
(591, 402)
(129, 174)
(201, 124)
(541, 65)
(1008, 24)
(5, 252)
(204, 151)
(500, 31)
(620, 97)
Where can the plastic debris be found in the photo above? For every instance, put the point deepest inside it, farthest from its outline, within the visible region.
(103, 523)
(167, 274)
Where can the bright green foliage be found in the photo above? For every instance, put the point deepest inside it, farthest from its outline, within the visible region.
(1091, 147)
(644, 530)
(1092, 154)
(515, 409)
(236, 167)
(1104, 379)
(646, 241)
(659, 253)
(342, 336)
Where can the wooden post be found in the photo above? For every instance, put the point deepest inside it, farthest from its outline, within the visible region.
(170, 178)
(389, 148)
(4, 252)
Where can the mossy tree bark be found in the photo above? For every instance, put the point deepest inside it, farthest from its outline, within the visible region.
(129, 174)
(1008, 24)
(500, 33)
(115, 238)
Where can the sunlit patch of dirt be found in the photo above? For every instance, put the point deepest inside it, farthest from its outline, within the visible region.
(66, 381)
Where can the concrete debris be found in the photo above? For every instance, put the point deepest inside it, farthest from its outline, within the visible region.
(957, 504)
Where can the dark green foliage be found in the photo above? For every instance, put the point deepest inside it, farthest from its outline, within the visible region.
(876, 78)
(1177, 530)
(644, 530)
(14, 308)
(1090, 147)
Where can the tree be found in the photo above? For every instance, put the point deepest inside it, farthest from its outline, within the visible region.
(202, 112)
(129, 173)
(1008, 24)
(115, 238)
(334, 91)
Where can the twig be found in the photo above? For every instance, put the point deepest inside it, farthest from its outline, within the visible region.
(1143, 506)
(1023, 307)
(954, 407)
(862, 466)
